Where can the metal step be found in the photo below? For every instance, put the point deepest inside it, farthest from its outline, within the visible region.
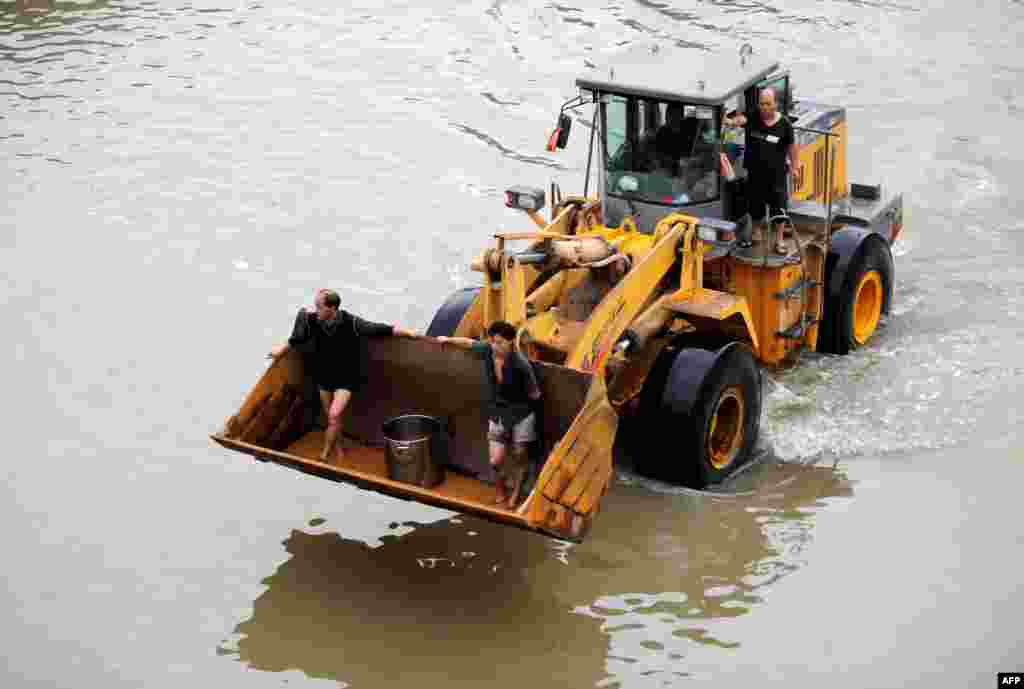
(793, 290)
(798, 329)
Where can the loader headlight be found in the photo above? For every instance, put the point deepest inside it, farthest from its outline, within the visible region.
(706, 234)
(716, 230)
(524, 198)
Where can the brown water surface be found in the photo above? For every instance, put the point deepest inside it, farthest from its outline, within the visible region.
(180, 175)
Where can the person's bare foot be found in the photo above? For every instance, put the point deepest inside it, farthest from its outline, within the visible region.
(329, 457)
(513, 496)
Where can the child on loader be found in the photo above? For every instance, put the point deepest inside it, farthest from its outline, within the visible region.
(512, 424)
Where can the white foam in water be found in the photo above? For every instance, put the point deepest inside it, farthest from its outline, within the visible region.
(916, 393)
(916, 390)
(908, 391)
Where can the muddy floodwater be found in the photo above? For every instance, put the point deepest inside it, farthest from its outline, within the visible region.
(178, 177)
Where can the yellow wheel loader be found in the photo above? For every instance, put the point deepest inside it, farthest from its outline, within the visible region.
(647, 322)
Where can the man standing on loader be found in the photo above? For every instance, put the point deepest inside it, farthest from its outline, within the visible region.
(329, 337)
(770, 149)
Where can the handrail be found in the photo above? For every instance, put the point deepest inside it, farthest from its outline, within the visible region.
(830, 159)
(830, 165)
(820, 132)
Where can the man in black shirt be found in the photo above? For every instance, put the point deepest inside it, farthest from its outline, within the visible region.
(330, 339)
(770, 149)
(513, 391)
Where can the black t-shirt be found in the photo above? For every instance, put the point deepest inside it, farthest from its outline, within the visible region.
(672, 145)
(510, 399)
(333, 349)
(766, 149)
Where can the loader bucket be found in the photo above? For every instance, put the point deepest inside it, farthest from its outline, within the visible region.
(280, 422)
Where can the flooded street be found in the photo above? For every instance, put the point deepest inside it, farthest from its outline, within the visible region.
(181, 176)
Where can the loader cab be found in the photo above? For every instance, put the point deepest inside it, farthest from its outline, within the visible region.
(660, 152)
(659, 136)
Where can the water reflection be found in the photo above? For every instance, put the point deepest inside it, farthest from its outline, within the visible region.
(685, 572)
(458, 601)
(32, 6)
(36, 8)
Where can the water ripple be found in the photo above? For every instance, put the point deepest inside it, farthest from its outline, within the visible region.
(47, 57)
(637, 26)
(881, 5)
(491, 97)
(505, 150)
(663, 8)
(76, 42)
(45, 96)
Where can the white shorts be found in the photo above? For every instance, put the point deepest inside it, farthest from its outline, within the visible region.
(523, 432)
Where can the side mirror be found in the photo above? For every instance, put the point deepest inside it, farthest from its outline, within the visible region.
(564, 127)
(560, 137)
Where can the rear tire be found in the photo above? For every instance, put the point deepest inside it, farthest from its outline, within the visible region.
(851, 320)
(699, 416)
(866, 306)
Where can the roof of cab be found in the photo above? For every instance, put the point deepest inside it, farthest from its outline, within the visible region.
(712, 82)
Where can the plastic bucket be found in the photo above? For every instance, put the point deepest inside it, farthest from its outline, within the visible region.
(416, 449)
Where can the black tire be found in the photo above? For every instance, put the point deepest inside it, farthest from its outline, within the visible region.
(732, 393)
(851, 317)
(451, 312)
(673, 436)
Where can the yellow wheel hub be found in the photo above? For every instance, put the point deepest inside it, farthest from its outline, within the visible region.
(725, 435)
(867, 306)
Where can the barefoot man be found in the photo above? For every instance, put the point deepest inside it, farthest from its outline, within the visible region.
(512, 424)
(330, 339)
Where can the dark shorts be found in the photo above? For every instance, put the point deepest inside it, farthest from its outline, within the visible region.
(337, 380)
(761, 195)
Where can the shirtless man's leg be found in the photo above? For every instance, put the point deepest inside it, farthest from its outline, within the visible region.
(334, 404)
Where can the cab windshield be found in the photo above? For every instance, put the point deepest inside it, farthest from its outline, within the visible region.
(662, 152)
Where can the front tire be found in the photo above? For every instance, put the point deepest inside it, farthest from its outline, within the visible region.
(451, 313)
(699, 415)
(728, 418)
